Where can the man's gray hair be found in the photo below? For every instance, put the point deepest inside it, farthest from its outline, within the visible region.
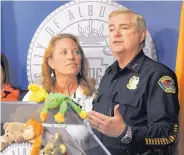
(136, 18)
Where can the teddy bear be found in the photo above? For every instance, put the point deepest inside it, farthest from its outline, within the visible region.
(55, 146)
(13, 134)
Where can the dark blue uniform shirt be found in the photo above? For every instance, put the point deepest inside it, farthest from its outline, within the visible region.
(147, 93)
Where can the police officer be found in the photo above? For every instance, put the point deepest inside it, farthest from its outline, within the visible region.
(136, 107)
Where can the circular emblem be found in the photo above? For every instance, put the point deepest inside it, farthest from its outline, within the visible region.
(18, 149)
(88, 20)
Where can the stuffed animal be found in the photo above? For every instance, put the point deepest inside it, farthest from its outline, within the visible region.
(55, 100)
(33, 134)
(13, 133)
(38, 94)
(3, 142)
(55, 146)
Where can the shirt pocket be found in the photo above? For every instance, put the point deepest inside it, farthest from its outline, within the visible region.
(128, 101)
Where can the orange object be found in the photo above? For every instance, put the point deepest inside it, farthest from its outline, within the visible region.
(34, 135)
(9, 93)
(180, 76)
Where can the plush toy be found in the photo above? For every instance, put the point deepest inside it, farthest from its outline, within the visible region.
(33, 134)
(38, 94)
(13, 133)
(55, 146)
(59, 100)
(3, 142)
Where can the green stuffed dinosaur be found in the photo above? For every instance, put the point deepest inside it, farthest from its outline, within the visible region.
(55, 100)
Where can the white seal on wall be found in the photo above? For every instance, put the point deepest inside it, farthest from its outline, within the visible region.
(88, 20)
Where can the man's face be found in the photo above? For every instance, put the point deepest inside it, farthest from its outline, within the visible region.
(124, 35)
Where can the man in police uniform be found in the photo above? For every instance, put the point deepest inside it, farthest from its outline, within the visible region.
(136, 107)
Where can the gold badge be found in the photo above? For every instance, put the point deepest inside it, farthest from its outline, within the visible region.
(133, 82)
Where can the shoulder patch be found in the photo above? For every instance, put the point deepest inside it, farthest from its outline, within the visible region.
(167, 84)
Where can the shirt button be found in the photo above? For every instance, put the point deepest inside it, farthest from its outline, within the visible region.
(123, 102)
(114, 81)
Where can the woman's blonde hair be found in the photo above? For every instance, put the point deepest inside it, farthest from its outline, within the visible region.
(86, 83)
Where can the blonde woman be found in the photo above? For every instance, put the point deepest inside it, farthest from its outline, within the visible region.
(65, 71)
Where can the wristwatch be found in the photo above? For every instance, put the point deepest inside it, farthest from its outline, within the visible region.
(127, 138)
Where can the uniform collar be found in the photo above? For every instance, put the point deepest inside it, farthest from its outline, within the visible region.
(115, 66)
(134, 65)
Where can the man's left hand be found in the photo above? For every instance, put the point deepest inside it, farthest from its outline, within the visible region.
(110, 126)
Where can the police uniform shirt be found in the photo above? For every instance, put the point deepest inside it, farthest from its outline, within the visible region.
(147, 93)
